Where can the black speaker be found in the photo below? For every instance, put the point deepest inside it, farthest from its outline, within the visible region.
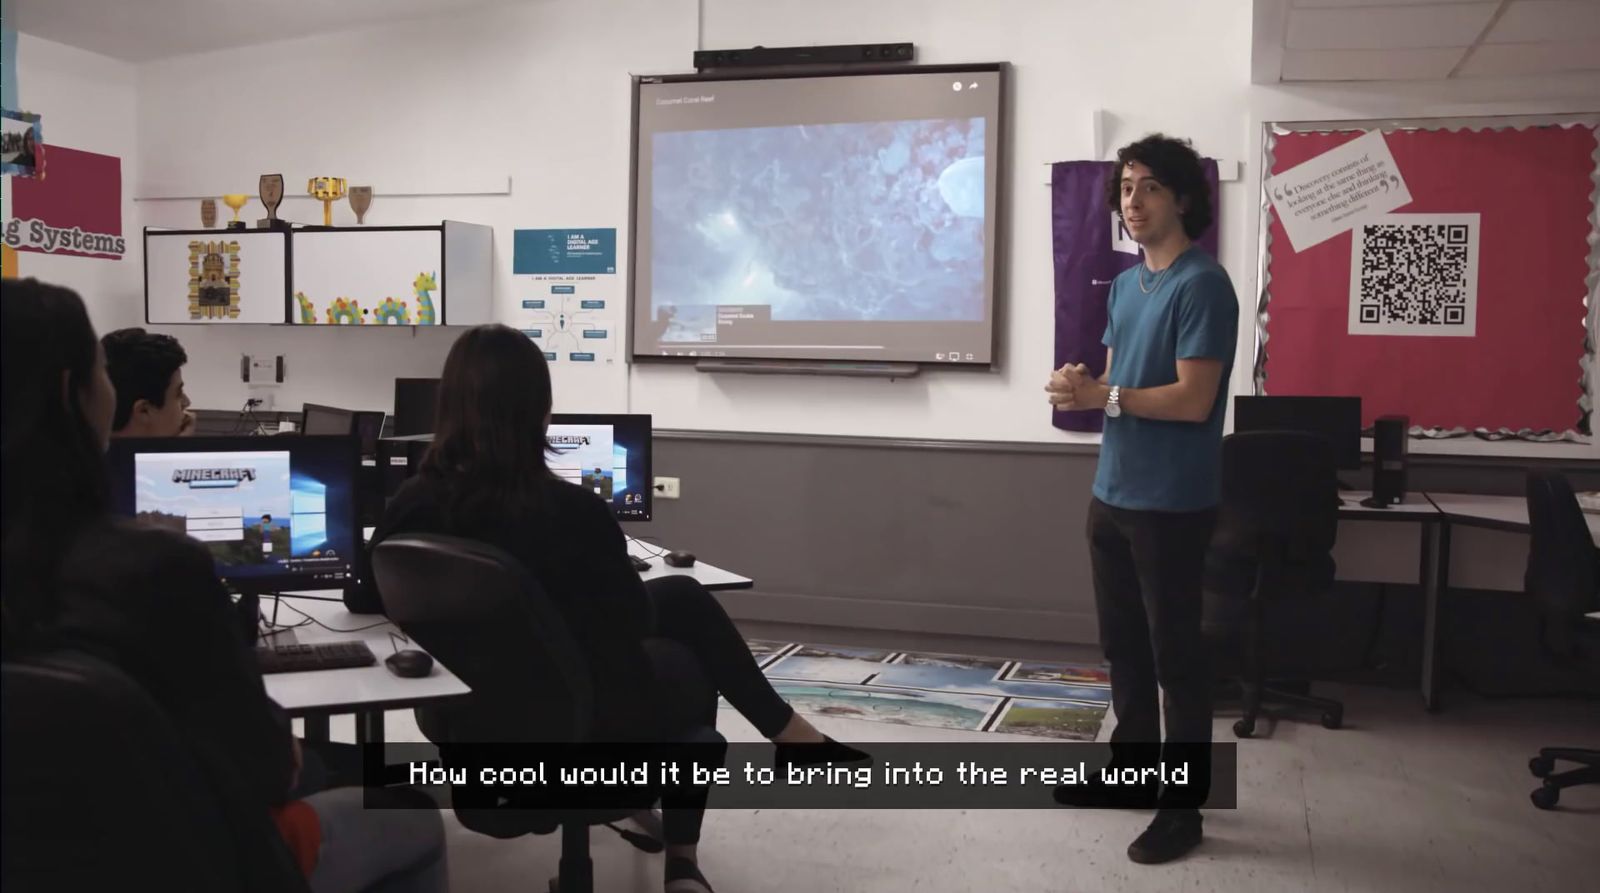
(1389, 439)
(768, 57)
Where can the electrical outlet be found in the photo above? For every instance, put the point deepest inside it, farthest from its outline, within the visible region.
(667, 488)
(263, 372)
(262, 397)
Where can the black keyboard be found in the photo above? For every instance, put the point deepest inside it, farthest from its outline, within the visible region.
(639, 564)
(321, 656)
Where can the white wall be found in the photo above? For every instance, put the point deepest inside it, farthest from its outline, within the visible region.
(540, 92)
(86, 101)
(537, 92)
(1184, 71)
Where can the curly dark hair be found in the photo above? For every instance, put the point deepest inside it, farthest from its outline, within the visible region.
(141, 365)
(1176, 166)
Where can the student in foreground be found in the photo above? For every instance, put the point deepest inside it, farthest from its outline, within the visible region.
(147, 373)
(485, 478)
(1170, 336)
(149, 601)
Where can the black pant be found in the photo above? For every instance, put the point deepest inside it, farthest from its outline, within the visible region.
(1148, 570)
(697, 653)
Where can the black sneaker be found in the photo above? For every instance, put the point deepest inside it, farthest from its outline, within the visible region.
(1096, 794)
(825, 751)
(1172, 834)
(683, 876)
(1107, 796)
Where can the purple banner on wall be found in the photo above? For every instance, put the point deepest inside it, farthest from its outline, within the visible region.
(1090, 249)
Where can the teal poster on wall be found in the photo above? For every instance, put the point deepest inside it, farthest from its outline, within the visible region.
(564, 252)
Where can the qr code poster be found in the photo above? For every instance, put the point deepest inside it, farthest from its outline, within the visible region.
(1415, 274)
(1465, 308)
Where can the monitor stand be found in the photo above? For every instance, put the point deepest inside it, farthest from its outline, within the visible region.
(249, 608)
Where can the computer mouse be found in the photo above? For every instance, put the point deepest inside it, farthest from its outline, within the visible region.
(679, 559)
(410, 664)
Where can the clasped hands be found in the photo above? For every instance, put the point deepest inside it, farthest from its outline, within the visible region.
(1072, 387)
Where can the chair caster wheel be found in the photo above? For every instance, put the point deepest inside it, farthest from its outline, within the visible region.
(1244, 728)
(1541, 766)
(1333, 719)
(1546, 798)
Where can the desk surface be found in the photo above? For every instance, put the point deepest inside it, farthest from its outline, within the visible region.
(709, 575)
(1415, 507)
(1496, 512)
(356, 688)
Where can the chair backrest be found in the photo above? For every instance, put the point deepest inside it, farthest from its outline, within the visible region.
(1280, 499)
(101, 793)
(1561, 575)
(481, 612)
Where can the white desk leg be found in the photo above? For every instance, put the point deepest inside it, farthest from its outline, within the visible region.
(1435, 586)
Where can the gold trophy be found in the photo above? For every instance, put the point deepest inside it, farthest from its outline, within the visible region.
(326, 190)
(236, 201)
(271, 197)
(360, 201)
(208, 212)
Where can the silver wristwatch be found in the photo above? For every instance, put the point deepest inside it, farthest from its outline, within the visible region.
(1114, 402)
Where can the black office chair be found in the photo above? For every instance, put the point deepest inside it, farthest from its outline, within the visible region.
(480, 612)
(1274, 538)
(1564, 577)
(100, 792)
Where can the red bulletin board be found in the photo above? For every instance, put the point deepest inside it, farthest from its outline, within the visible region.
(1533, 191)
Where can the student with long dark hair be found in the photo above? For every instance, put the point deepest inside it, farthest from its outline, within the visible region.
(486, 478)
(149, 601)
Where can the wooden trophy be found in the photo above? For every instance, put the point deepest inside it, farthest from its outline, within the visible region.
(360, 201)
(271, 197)
(208, 212)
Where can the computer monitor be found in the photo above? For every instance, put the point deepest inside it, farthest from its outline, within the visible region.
(318, 419)
(414, 405)
(1336, 418)
(369, 429)
(277, 514)
(608, 454)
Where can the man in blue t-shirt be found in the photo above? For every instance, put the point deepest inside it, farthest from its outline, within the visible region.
(1170, 337)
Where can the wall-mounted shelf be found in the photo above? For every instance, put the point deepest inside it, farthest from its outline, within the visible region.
(440, 274)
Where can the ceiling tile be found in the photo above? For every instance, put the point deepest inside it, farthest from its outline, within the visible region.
(1388, 28)
(1528, 21)
(1513, 59)
(1352, 4)
(1370, 65)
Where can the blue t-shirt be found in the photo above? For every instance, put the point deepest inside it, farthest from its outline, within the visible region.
(1150, 465)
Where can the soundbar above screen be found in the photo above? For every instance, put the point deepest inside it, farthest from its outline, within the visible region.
(838, 217)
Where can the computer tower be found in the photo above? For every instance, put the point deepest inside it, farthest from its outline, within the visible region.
(1389, 440)
(401, 457)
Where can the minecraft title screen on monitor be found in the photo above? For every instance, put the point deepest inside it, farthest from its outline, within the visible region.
(264, 513)
(609, 455)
